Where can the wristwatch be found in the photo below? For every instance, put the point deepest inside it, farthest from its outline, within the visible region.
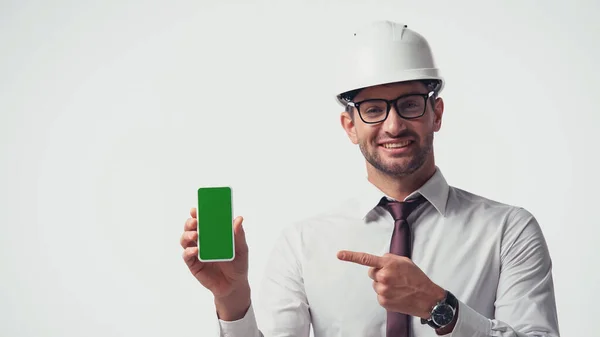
(443, 312)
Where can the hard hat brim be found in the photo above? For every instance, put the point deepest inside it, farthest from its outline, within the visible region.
(398, 77)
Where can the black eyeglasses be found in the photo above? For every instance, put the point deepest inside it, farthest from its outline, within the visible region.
(411, 106)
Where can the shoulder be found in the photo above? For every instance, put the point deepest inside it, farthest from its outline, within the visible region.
(506, 219)
(460, 200)
(516, 224)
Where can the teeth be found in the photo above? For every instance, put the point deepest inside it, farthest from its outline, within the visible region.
(396, 145)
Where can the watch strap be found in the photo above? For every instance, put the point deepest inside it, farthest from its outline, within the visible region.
(450, 300)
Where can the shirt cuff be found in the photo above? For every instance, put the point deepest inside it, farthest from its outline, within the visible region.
(470, 323)
(246, 326)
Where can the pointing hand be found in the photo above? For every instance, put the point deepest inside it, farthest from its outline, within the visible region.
(400, 285)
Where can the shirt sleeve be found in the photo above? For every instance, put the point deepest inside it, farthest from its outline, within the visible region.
(525, 303)
(246, 326)
(282, 308)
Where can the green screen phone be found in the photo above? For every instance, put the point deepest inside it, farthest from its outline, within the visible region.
(215, 224)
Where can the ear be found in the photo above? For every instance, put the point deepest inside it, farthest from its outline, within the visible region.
(438, 112)
(347, 122)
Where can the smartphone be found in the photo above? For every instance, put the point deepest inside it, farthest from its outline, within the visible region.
(215, 224)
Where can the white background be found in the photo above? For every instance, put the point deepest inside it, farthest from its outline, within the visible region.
(114, 113)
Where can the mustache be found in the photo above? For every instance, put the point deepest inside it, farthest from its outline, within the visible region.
(403, 134)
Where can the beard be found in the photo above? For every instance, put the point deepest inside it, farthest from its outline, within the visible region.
(399, 168)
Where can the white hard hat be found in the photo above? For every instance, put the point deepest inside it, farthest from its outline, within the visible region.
(384, 52)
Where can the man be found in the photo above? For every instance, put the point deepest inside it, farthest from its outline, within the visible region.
(408, 255)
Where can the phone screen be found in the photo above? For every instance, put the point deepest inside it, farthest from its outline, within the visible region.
(215, 224)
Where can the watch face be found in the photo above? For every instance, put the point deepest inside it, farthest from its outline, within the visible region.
(443, 315)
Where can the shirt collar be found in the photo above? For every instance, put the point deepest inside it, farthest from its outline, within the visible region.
(435, 190)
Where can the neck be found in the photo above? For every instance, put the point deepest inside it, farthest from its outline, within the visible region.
(399, 187)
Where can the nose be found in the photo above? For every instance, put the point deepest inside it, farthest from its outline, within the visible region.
(393, 124)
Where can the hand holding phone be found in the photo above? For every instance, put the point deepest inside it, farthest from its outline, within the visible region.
(222, 266)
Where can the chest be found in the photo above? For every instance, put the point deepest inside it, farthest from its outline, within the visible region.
(341, 296)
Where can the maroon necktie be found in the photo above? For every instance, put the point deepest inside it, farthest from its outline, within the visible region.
(401, 244)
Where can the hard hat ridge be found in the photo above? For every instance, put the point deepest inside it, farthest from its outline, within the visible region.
(383, 52)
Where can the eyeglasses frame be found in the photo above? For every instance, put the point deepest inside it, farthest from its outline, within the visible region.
(391, 103)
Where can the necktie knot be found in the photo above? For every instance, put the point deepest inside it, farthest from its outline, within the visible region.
(400, 210)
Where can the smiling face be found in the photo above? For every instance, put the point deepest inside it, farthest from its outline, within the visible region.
(396, 147)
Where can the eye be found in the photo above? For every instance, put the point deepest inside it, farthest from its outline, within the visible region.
(373, 107)
(410, 104)
(374, 110)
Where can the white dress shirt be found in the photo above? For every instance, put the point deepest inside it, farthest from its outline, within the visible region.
(492, 256)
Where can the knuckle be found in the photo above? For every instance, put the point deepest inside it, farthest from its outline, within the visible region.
(190, 222)
(389, 258)
(381, 289)
(383, 276)
(404, 263)
(186, 254)
(383, 301)
(364, 259)
(187, 237)
(384, 291)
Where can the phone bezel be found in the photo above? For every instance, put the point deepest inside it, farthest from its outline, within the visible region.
(231, 219)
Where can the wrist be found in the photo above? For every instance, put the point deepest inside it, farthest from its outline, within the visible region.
(443, 315)
(234, 306)
(437, 294)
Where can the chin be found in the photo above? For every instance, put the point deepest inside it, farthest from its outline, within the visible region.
(403, 166)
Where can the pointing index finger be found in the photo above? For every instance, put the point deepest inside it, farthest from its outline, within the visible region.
(364, 259)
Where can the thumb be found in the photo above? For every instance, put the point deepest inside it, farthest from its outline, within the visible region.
(241, 247)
